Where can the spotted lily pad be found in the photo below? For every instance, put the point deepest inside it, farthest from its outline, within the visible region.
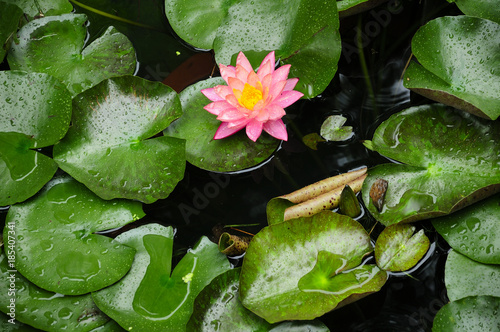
(474, 313)
(151, 298)
(399, 249)
(108, 147)
(474, 231)
(333, 129)
(10, 14)
(288, 271)
(43, 309)
(60, 39)
(451, 160)
(458, 64)
(56, 247)
(218, 308)
(198, 127)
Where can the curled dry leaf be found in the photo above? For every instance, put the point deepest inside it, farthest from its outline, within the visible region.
(377, 193)
(233, 244)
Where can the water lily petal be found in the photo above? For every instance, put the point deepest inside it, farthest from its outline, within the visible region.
(253, 79)
(266, 81)
(238, 123)
(275, 112)
(218, 106)
(265, 69)
(276, 128)
(231, 99)
(241, 73)
(254, 129)
(242, 60)
(227, 71)
(271, 58)
(223, 91)
(230, 115)
(211, 94)
(281, 74)
(290, 84)
(225, 131)
(287, 98)
(276, 89)
(235, 83)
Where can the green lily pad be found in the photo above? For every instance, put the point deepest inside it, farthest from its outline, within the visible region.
(459, 59)
(399, 249)
(481, 8)
(475, 313)
(55, 242)
(198, 127)
(9, 325)
(474, 231)
(218, 308)
(110, 326)
(333, 129)
(108, 147)
(10, 14)
(311, 46)
(60, 39)
(43, 309)
(46, 7)
(439, 145)
(465, 277)
(285, 257)
(352, 7)
(150, 298)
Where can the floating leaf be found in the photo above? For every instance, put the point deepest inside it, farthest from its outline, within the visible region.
(439, 145)
(43, 309)
(349, 204)
(481, 8)
(312, 140)
(60, 39)
(280, 255)
(218, 308)
(474, 231)
(150, 298)
(10, 14)
(465, 277)
(399, 249)
(108, 149)
(352, 7)
(459, 64)
(475, 313)
(198, 127)
(45, 7)
(333, 129)
(55, 242)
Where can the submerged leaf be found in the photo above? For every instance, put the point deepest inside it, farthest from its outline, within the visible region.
(10, 14)
(333, 129)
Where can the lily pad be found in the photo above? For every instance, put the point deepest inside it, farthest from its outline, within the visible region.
(150, 298)
(399, 249)
(198, 127)
(45, 7)
(459, 59)
(10, 14)
(465, 277)
(218, 308)
(481, 8)
(283, 254)
(475, 313)
(333, 129)
(311, 46)
(55, 242)
(352, 7)
(60, 39)
(108, 147)
(43, 309)
(474, 231)
(439, 145)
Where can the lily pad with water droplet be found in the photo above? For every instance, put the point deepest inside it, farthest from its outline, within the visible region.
(198, 127)
(218, 308)
(474, 231)
(152, 298)
(465, 277)
(451, 158)
(399, 249)
(46, 7)
(287, 271)
(109, 147)
(474, 313)
(10, 14)
(60, 40)
(458, 64)
(56, 245)
(45, 310)
(333, 129)
(487, 9)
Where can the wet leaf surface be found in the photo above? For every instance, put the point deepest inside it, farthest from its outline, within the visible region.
(488, 9)
(198, 127)
(151, 297)
(109, 149)
(438, 145)
(333, 129)
(47, 7)
(56, 247)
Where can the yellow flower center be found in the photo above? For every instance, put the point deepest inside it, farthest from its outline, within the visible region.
(250, 96)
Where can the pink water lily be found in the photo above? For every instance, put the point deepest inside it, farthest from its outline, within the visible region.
(252, 100)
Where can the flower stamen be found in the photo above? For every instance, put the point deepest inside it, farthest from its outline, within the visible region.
(249, 96)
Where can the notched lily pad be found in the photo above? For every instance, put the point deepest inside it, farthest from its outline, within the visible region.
(150, 298)
(438, 145)
(46, 310)
(474, 231)
(198, 127)
(333, 129)
(60, 39)
(56, 247)
(399, 248)
(287, 267)
(458, 64)
(109, 149)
